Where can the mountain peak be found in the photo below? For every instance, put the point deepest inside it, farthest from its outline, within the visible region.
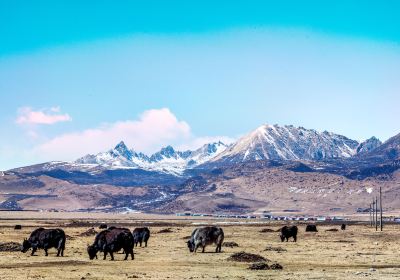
(368, 145)
(121, 146)
(288, 143)
(123, 150)
(168, 151)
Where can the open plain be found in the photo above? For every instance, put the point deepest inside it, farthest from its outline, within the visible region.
(356, 253)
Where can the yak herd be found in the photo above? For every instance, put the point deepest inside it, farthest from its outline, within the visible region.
(114, 239)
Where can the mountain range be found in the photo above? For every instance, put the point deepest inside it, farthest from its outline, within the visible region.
(268, 142)
(166, 160)
(272, 167)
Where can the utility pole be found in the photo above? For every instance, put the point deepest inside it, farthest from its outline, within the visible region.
(380, 205)
(376, 213)
(373, 212)
(370, 215)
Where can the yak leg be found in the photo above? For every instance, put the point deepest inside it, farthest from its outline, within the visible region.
(145, 244)
(105, 254)
(61, 247)
(127, 252)
(141, 243)
(295, 238)
(132, 255)
(33, 251)
(218, 249)
(112, 255)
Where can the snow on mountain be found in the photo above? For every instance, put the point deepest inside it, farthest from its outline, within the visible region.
(288, 143)
(120, 156)
(368, 145)
(166, 160)
(272, 142)
(389, 150)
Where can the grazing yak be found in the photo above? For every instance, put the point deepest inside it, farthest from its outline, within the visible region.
(343, 227)
(141, 235)
(206, 236)
(110, 241)
(311, 228)
(45, 239)
(287, 232)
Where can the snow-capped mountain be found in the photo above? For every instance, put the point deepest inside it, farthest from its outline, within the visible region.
(368, 145)
(291, 143)
(167, 160)
(271, 142)
(389, 150)
(119, 157)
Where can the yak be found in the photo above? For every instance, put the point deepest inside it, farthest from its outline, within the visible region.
(111, 241)
(311, 228)
(206, 236)
(287, 232)
(141, 235)
(45, 239)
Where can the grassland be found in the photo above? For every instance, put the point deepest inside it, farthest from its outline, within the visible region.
(357, 253)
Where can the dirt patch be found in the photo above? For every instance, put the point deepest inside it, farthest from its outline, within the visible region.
(186, 237)
(165, 230)
(276, 266)
(10, 247)
(369, 254)
(343, 241)
(332, 229)
(89, 232)
(246, 257)
(275, 249)
(259, 266)
(267, 230)
(44, 264)
(230, 244)
(265, 266)
(79, 224)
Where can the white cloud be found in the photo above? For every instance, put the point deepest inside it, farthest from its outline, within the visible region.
(26, 115)
(153, 129)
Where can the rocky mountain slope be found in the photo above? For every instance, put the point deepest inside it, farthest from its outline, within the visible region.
(292, 143)
(273, 167)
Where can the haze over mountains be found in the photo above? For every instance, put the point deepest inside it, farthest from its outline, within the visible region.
(271, 168)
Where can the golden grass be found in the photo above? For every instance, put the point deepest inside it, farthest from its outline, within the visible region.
(324, 255)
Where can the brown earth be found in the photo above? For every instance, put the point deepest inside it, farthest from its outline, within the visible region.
(356, 253)
(275, 189)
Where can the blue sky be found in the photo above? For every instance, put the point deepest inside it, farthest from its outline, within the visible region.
(77, 75)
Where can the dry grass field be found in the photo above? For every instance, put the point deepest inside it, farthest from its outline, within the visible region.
(357, 253)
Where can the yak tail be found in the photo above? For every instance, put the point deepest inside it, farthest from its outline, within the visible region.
(62, 243)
